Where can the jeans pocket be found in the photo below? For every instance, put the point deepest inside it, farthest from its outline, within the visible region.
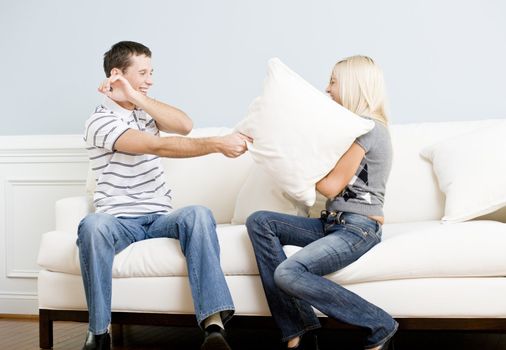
(358, 229)
(362, 236)
(354, 235)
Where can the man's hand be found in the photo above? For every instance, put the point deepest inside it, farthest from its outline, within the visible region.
(167, 118)
(233, 145)
(117, 88)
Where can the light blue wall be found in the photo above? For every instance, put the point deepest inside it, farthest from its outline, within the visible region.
(443, 60)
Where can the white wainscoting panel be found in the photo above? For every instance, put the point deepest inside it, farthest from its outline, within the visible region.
(35, 171)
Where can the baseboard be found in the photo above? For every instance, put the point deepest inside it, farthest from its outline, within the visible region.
(19, 304)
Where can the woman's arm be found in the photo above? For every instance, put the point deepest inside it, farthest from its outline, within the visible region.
(346, 167)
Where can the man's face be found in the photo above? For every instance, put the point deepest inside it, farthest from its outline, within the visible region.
(139, 73)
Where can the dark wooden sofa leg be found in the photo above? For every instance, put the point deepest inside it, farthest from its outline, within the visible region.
(45, 329)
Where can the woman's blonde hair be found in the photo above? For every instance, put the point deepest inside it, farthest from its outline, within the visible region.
(361, 87)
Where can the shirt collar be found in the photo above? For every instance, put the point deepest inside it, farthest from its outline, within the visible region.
(116, 108)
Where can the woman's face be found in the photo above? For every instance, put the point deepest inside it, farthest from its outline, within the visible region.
(333, 89)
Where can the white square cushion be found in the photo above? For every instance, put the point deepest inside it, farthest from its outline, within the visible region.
(299, 133)
(470, 170)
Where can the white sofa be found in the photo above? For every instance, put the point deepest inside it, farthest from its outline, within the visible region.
(426, 274)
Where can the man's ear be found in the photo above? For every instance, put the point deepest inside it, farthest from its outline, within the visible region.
(116, 71)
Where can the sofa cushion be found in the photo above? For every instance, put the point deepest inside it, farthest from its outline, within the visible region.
(416, 250)
(470, 172)
(152, 257)
(412, 192)
(299, 133)
(406, 200)
(430, 250)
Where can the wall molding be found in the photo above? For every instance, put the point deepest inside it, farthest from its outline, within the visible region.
(17, 273)
(19, 303)
(10, 188)
(19, 182)
(18, 295)
(43, 148)
(35, 171)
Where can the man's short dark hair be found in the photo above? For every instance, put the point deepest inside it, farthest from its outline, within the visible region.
(119, 55)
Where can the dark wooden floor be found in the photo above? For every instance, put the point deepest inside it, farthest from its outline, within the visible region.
(21, 334)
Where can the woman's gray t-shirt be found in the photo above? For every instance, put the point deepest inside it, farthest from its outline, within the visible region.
(365, 193)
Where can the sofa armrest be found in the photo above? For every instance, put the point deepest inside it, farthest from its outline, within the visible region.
(70, 211)
(58, 252)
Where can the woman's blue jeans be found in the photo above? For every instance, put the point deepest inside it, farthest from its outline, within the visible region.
(101, 236)
(295, 284)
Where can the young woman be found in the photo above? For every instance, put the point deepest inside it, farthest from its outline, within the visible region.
(347, 229)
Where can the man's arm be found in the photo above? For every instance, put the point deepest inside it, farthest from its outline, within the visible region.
(167, 118)
(139, 142)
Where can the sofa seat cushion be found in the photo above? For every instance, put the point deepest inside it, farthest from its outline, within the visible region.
(415, 250)
(430, 250)
(158, 257)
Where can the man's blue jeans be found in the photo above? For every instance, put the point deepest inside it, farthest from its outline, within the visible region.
(101, 236)
(295, 284)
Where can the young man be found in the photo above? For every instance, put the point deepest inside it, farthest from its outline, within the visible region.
(132, 200)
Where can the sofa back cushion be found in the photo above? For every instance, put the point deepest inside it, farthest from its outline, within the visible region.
(471, 161)
(412, 191)
(212, 180)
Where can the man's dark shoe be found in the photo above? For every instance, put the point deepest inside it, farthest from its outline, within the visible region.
(215, 339)
(97, 342)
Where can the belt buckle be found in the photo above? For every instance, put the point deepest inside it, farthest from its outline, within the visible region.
(330, 219)
(325, 214)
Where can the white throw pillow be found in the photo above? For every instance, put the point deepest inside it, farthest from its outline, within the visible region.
(299, 132)
(471, 172)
